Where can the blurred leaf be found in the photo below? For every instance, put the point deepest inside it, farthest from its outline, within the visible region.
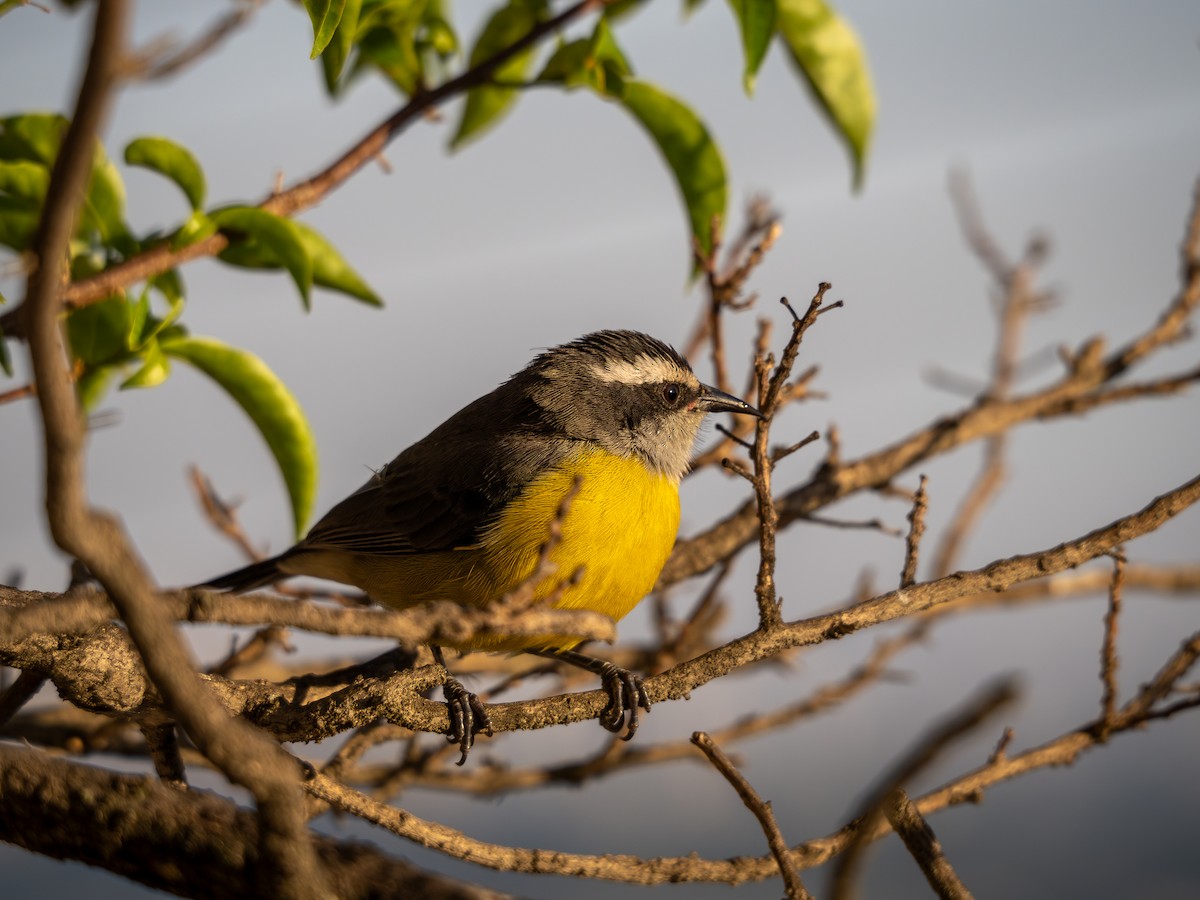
(325, 16)
(387, 35)
(144, 326)
(197, 227)
(270, 406)
(23, 187)
(32, 136)
(756, 22)
(486, 105)
(689, 150)
(830, 57)
(172, 161)
(154, 369)
(568, 64)
(619, 9)
(92, 385)
(5, 358)
(169, 284)
(690, 6)
(596, 62)
(18, 222)
(104, 205)
(99, 332)
(35, 137)
(24, 180)
(275, 237)
(333, 60)
(439, 36)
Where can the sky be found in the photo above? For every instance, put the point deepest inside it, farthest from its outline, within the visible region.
(1079, 121)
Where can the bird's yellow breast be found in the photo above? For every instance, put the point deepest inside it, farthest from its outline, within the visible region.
(619, 530)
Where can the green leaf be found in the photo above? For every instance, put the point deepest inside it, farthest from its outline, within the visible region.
(169, 284)
(486, 105)
(92, 385)
(99, 332)
(171, 160)
(18, 222)
(32, 136)
(333, 60)
(144, 326)
(5, 357)
(439, 36)
(104, 205)
(269, 404)
(596, 62)
(325, 16)
(24, 180)
(197, 227)
(387, 38)
(275, 236)
(756, 22)
(154, 369)
(690, 152)
(831, 59)
(568, 64)
(330, 269)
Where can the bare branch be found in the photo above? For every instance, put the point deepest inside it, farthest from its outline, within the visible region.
(289, 866)
(870, 813)
(919, 838)
(794, 887)
(916, 519)
(1108, 651)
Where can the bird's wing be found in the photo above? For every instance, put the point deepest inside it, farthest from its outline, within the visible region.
(443, 491)
(399, 512)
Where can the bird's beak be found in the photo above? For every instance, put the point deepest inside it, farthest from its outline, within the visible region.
(712, 400)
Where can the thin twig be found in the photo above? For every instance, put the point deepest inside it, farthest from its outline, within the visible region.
(761, 809)
(916, 520)
(921, 842)
(146, 67)
(18, 393)
(1108, 651)
(870, 812)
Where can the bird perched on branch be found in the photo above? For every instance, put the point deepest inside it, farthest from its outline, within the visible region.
(463, 513)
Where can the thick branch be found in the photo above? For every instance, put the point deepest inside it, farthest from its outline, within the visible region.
(191, 843)
(289, 866)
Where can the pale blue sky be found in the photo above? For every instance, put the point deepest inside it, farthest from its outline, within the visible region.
(1078, 119)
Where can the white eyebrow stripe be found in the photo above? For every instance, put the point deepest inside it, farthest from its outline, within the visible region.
(642, 370)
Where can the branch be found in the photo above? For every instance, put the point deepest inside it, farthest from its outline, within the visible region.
(679, 681)
(921, 842)
(307, 193)
(761, 809)
(1085, 385)
(190, 843)
(871, 813)
(289, 867)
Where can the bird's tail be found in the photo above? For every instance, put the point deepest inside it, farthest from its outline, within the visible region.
(255, 575)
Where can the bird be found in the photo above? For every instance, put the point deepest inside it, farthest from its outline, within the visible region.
(610, 419)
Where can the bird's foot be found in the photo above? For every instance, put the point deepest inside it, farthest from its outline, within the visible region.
(468, 716)
(626, 694)
(626, 689)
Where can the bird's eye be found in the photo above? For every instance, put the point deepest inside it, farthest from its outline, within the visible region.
(670, 393)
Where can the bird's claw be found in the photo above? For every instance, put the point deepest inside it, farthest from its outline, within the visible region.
(626, 693)
(468, 716)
